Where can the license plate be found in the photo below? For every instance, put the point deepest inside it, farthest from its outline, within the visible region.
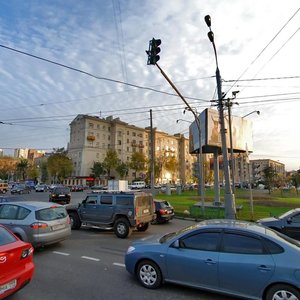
(8, 286)
(57, 227)
(61, 195)
(145, 211)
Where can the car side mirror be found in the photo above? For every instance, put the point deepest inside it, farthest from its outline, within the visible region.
(176, 244)
(289, 220)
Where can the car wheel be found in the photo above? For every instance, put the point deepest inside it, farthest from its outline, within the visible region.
(75, 221)
(144, 227)
(149, 274)
(122, 228)
(282, 292)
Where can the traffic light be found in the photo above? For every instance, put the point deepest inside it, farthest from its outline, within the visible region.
(153, 51)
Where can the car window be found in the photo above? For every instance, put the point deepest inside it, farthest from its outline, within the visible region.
(272, 247)
(22, 213)
(296, 218)
(6, 237)
(8, 211)
(90, 200)
(124, 200)
(238, 243)
(106, 199)
(206, 241)
(51, 213)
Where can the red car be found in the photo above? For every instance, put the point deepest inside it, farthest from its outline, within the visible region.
(16, 263)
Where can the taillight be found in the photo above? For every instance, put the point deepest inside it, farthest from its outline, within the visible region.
(26, 252)
(38, 225)
(163, 211)
(68, 220)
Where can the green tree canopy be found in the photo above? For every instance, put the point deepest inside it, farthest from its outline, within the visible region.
(122, 169)
(59, 166)
(270, 177)
(22, 167)
(138, 162)
(110, 161)
(98, 169)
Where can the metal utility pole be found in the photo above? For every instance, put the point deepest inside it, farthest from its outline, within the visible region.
(152, 177)
(229, 199)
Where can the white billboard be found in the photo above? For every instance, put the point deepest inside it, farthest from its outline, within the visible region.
(241, 130)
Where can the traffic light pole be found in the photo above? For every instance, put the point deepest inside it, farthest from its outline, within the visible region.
(197, 120)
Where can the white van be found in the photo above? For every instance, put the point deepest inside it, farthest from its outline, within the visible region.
(138, 185)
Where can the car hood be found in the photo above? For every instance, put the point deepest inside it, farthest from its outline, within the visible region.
(150, 239)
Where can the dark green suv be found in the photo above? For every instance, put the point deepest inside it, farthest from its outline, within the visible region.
(120, 211)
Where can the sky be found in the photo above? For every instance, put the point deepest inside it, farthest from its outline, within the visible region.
(59, 59)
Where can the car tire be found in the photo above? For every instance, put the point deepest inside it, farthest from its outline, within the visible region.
(122, 228)
(149, 274)
(281, 292)
(75, 221)
(144, 227)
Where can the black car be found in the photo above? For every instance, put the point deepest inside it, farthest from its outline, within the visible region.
(164, 211)
(287, 223)
(61, 195)
(20, 189)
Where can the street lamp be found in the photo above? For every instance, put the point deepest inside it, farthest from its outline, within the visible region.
(252, 112)
(229, 200)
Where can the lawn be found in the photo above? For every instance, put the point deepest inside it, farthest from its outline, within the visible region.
(264, 204)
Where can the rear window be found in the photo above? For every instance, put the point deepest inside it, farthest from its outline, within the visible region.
(62, 190)
(51, 213)
(6, 237)
(124, 200)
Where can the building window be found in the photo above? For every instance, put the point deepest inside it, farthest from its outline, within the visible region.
(119, 142)
(108, 137)
(127, 132)
(98, 126)
(119, 133)
(91, 125)
(133, 133)
(103, 127)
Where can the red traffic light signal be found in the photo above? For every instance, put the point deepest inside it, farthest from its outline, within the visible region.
(153, 51)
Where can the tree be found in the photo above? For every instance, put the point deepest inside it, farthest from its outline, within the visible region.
(138, 162)
(110, 161)
(270, 176)
(171, 165)
(98, 169)
(122, 169)
(44, 172)
(59, 166)
(22, 167)
(32, 173)
(295, 178)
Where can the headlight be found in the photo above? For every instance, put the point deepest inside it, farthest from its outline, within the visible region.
(130, 249)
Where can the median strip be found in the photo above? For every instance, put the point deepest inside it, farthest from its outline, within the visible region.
(61, 253)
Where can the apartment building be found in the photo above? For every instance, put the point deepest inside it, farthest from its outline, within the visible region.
(92, 136)
(258, 166)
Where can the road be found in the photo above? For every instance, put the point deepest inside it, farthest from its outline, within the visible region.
(90, 266)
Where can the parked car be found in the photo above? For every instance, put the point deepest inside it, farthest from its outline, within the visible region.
(120, 211)
(287, 223)
(16, 263)
(41, 188)
(20, 189)
(232, 257)
(164, 211)
(76, 188)
(60, 194)
(36, 222)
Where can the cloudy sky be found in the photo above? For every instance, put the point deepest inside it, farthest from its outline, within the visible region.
(88, 57)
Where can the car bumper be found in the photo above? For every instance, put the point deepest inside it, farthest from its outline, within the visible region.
(43, 239)
(22, 276)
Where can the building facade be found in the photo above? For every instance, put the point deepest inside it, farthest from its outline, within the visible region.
(91, 137)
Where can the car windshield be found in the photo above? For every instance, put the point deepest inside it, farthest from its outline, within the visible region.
(170, 235)
(6, 237)
(286, 214)
(51, 213)
(164, 204)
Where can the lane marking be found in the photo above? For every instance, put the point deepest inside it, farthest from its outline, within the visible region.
(119, 265)
(90, 258)
(61, 253)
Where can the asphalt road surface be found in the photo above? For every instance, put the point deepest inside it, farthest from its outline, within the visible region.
(90, 266)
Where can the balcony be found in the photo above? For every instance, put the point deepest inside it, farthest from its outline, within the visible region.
(90, 138)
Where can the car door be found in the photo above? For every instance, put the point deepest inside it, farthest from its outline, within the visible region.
(291, 226)
(88, 209)
(244, 265)
(195, 261)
